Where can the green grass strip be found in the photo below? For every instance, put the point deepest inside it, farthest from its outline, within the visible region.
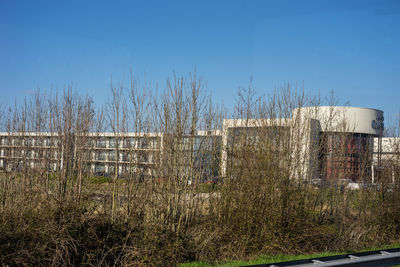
(268, 259)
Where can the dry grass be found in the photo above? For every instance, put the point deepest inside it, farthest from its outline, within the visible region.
(36, 230)
(66, 218)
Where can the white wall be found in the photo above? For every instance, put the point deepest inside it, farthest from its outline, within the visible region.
(345, 119)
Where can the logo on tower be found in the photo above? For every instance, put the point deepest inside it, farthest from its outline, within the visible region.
(378, 123)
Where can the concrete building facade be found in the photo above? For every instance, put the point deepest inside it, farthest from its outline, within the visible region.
(327, 142)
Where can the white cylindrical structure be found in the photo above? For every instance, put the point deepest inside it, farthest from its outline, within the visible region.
(346, 136)
(344, 119)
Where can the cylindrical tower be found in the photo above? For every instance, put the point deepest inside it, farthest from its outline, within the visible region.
(346, 137)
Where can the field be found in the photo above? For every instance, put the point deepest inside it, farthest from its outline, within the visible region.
(54, 212)
(160, 226)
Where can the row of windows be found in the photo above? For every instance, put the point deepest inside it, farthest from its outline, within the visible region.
(131, 142)
(100, 143)
(123, 156)
(22, 141)
(127, 142)
(29, 153)
(101, 155)
(20, 165)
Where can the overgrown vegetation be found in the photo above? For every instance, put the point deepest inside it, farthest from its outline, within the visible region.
(165, 214)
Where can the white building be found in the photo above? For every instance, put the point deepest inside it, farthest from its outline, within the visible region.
(327, 142)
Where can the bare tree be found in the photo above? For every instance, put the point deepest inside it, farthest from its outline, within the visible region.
(83, 124)
(139, 107)
(117, 119)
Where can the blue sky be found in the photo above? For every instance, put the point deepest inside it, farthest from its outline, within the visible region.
(350, 47)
